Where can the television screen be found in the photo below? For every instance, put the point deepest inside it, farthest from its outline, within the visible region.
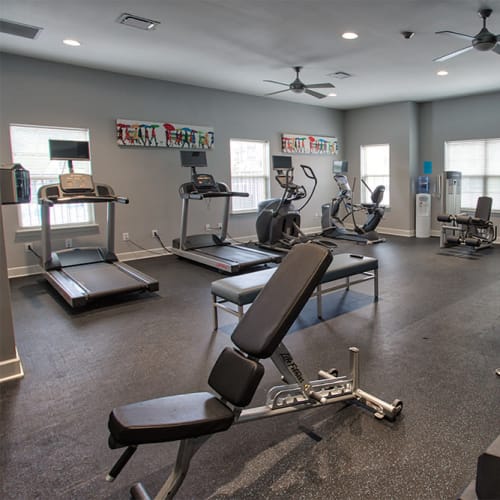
(69, 150)
(193, 158)
(282, 162)
(339, 167)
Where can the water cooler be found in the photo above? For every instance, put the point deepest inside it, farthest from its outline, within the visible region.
(423, 208)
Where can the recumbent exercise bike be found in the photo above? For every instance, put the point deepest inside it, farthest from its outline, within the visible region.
(332, 223)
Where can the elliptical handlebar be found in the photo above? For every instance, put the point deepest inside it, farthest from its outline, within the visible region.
(309, 173)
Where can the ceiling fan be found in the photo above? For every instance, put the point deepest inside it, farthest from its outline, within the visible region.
(299, 87)
(485, 40)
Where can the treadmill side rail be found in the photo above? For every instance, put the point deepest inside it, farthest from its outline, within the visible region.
(151, 284)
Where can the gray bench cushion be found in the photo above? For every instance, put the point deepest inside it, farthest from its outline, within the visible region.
(243, 289)
(345, 265)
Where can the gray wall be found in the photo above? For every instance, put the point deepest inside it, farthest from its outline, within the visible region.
(396, 125)
(474, 117)
(43, 93)
(417, 133)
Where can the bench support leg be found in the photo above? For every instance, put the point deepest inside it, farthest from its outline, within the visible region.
(187, 449)
(216, 316)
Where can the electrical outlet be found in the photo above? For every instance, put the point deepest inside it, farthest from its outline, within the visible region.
(28, 247)
(155, 233)
(68, 243)
(125, 237)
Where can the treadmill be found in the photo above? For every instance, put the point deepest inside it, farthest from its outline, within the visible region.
(81, 275)
(212, 250)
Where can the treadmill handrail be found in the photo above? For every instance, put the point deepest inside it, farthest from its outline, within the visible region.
(213, 194)
(50, 200)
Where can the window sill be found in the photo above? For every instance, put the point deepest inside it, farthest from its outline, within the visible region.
(91, 228)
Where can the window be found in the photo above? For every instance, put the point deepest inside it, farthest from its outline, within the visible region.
(375, 171)
(249, 173)
(30, 148)
(479, 163)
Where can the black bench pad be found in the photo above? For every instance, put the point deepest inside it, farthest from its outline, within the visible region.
(169, 419)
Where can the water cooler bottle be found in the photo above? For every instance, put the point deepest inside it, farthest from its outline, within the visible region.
(423, 208)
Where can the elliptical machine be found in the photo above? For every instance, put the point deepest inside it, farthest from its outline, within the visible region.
(332, 224)
(278, 220)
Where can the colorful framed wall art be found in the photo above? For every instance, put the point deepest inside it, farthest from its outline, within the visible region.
(309, 144)
(148, 134)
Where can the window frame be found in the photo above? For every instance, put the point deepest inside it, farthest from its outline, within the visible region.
(29, 214)
(265, 184)
(365, 194)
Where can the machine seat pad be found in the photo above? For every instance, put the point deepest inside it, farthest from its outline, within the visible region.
(171, 418)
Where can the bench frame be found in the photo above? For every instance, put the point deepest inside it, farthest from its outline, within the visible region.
(238, 310)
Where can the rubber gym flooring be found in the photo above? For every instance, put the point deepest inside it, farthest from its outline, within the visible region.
(432, 340)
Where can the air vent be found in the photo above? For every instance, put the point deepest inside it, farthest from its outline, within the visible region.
(134, 21)
(340, 75)
(19, 29)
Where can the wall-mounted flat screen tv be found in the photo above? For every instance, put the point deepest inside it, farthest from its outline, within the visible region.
(69, 150)
(193, 159)
(282, 162)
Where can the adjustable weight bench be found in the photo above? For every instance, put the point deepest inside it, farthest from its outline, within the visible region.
(236, 374)
(232, 294)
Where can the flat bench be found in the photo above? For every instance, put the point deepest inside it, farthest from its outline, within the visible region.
(233, 293)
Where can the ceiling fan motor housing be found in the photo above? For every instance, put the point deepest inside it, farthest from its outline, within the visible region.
(484, 40)
(297, 86)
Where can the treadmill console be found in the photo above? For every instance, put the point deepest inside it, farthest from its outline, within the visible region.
(204, 183)
(76, 183)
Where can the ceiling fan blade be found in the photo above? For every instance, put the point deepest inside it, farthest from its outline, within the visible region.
(273, 81)
(454, 33)
(315, 94)
(320, 86)
(453, 54)
(496, 49)
(278, 92)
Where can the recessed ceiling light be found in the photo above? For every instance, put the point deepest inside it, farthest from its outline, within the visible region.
(442, 72)
(349, 35)
(332, 94)
(72, 43)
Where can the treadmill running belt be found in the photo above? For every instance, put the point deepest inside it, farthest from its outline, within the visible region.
(103, 277)
(233, 253)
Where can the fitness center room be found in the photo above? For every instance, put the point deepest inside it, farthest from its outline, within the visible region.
(220, 280)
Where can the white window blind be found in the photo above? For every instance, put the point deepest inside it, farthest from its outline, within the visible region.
(30, 148)
(479, 162)
(249, 173)
(375, 170)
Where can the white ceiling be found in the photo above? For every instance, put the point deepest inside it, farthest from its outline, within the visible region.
(234, 45)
